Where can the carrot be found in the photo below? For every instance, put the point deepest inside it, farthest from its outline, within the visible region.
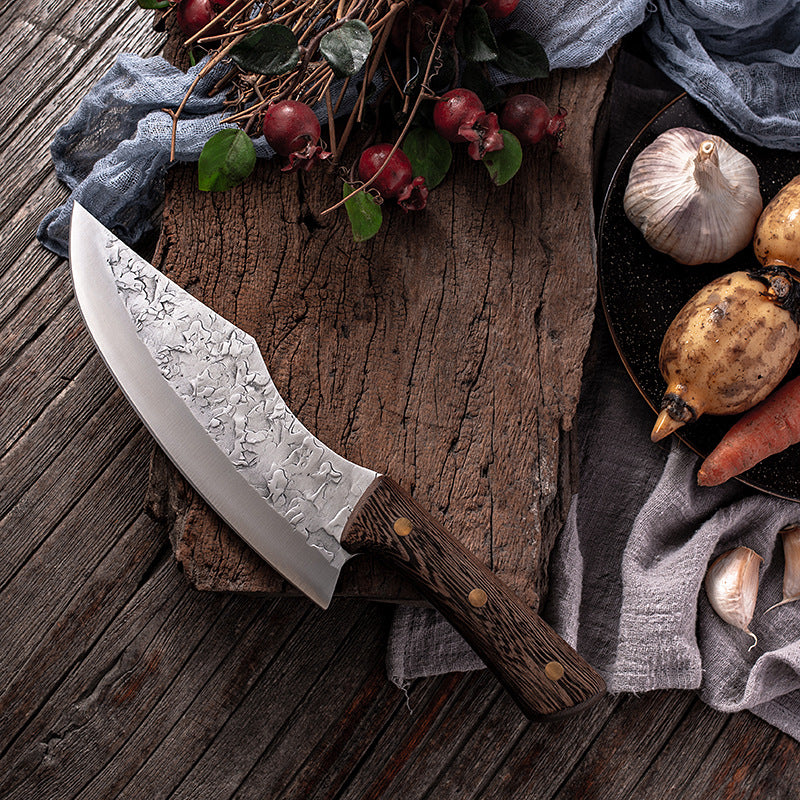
(768, 428)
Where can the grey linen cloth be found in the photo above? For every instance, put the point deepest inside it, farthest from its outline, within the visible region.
(626, 575)
(629, 563)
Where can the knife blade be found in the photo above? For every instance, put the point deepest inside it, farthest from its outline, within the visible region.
(201, 387)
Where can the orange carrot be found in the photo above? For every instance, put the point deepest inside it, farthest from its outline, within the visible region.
(768, 428)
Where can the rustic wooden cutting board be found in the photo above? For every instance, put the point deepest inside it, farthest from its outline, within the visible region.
(446, 351)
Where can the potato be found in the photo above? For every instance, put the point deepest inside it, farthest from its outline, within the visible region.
(726, 349)
(776, 239)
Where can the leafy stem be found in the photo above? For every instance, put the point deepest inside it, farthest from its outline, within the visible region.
(423, 94)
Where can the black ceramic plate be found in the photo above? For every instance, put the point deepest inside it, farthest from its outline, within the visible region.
(642, 290)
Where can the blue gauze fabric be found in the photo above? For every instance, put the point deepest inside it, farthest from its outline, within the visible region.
(114, 152)
(741, 59)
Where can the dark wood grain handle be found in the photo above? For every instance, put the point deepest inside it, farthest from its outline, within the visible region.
(544, 675)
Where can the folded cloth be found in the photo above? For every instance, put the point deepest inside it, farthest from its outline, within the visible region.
(628, 569)
(114, 152)
(740, 59)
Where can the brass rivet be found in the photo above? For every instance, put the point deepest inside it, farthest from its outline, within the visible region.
(554, 670)
(477, 598)
(403, 526)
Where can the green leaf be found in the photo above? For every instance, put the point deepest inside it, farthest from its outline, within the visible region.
(443, 70)
(429, 153)
(364, 213)
(271, 50)
(346, 48)
(504, 164)
(227, 158)
(158, 4)
(442, 74)
(474, 38)
(521, 55)
(473, 77)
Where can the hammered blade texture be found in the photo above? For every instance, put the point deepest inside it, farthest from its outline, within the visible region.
(220, 374)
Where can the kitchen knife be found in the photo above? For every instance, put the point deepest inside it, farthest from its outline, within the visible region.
(202, 389)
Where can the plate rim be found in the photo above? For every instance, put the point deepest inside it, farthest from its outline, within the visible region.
(612, 185)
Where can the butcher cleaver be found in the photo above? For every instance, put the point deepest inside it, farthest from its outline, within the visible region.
(202, 389)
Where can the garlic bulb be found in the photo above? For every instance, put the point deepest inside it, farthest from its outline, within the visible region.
(693, 196)
(732, 587)
(791, 570)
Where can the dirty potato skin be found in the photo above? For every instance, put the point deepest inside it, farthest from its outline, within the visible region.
(776, 239)
(725, 351)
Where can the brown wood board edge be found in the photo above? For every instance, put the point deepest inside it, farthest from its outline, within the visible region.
(213, 560)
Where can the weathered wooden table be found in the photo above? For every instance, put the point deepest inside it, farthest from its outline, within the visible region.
(118, 678)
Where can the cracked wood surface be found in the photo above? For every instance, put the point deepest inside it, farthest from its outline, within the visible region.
(446, 352)
(118, 679)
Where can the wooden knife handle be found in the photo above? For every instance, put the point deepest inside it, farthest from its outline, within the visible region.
(543, 674)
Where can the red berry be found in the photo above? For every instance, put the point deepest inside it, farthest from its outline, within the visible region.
(500, 9)
(456, 109)
(414, 196)
(290, 126)
(393, 178)
(194, 15)
(293, 130)
(528, 118)
(459, 116)
(483, 135)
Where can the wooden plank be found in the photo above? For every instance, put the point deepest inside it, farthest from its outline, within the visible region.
(251, 726)
(85, 620)
(421, 759)
(627, 745)
(749, 758)
(684, 753)
(323, 764)
(22, 35)
(446, 352)
(69, 739)
(38, 584)
(74, 437)
(25, 263)
(531, 764)
(46, 357)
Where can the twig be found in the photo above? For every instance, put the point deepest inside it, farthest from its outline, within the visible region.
(212, 62)
(423, 93)
(331, 126)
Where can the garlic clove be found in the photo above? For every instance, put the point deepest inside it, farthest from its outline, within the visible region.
(693, 196)
(791, 570)
(731, 585)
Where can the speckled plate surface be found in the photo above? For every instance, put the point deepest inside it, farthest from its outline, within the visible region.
(642, 290)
